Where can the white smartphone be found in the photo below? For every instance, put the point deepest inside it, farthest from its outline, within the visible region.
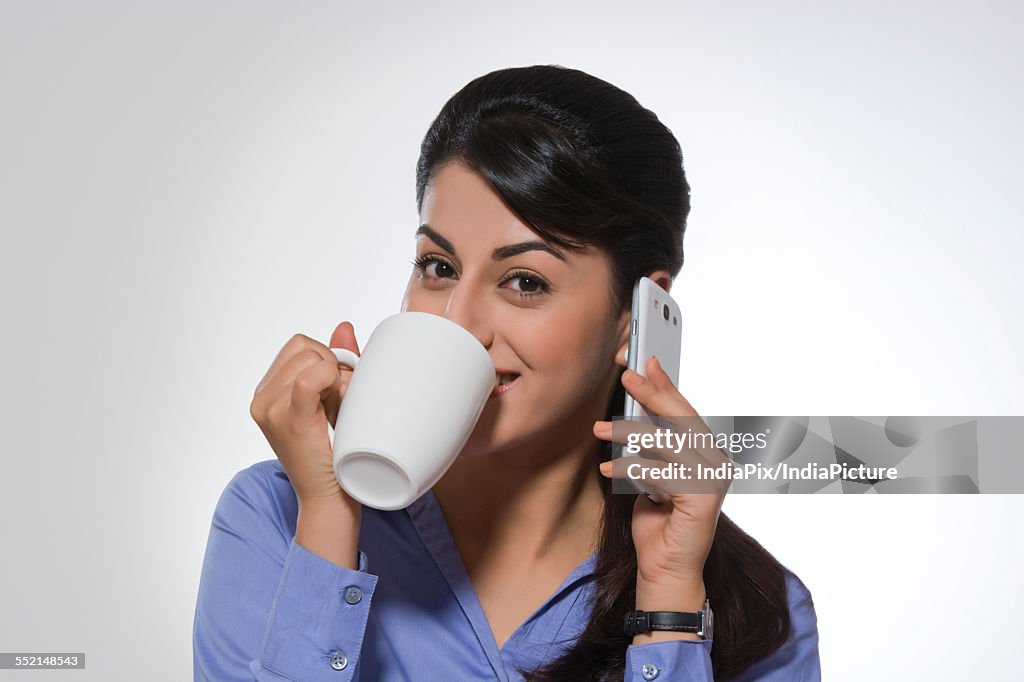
(656, 329)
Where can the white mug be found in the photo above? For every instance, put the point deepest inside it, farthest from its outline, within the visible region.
(414, 397)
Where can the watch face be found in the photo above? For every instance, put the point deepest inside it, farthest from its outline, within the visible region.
(709, 621)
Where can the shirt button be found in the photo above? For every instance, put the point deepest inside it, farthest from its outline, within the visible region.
(649, 671)
(353, 595)
(339, 660)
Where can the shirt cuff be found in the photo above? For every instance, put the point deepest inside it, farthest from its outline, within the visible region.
(318, 619)
(681, 659)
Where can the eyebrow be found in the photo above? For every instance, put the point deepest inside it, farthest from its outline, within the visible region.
(500, 253)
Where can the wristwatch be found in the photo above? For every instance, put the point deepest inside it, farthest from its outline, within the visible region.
(701, 623)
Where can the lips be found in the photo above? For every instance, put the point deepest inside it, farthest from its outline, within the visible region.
(504, 381)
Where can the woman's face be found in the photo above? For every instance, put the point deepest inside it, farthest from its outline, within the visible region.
(542, 312)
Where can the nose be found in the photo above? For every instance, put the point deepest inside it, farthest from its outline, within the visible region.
(465, 309)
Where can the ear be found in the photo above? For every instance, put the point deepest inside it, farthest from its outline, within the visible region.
(663, 278)
(623, 323)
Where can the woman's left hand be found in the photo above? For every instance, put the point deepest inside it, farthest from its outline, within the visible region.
(672, 538)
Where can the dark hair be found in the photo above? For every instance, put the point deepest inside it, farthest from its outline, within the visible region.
(583, 163)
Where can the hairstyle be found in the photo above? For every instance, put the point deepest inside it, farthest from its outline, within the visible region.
(582, 163)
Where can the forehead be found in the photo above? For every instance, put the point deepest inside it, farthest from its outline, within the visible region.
(462, 206)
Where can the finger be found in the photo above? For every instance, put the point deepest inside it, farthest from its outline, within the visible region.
(693, 445)
(294, 346)
(649, 477)
(310, 385)
(335, 393)
(619, 468)
(660, 397)
(660, 378)
(656, 476)
(277, 395)
(344, 336)
(657, 395)
(332, 404)
(637, 437)
(659, 498)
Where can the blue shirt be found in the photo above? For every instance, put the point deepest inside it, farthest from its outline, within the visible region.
(269, 609)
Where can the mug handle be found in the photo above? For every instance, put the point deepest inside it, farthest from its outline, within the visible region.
(346, 357)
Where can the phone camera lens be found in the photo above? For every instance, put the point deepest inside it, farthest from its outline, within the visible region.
(665, 311)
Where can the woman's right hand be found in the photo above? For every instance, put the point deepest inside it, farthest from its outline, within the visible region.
(299, 395)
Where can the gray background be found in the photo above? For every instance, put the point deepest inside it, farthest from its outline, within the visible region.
(183, 186)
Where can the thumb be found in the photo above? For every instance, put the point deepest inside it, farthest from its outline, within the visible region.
(344, 336)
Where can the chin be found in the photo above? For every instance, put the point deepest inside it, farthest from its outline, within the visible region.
(499, 431)
(499, 428)
(488, 435)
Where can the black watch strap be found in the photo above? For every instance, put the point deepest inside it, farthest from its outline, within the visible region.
(676, 621)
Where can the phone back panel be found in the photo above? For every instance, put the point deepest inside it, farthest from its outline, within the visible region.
(651, 334)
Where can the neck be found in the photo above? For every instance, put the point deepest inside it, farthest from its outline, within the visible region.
(538, 502)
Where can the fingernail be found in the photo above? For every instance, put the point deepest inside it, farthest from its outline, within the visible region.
(605, 467)
(602, 428)
(632, 378)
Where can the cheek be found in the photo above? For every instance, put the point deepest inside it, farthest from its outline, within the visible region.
(542, 341)
(418, 299)
(566, 348)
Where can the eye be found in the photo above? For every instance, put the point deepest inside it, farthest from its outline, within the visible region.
(434, 267)
(529, 283)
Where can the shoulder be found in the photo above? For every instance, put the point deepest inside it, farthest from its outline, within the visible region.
(259, 494)
(797, 658)
(797, 593)
(262, 493)
(802, 616)
(262, 479)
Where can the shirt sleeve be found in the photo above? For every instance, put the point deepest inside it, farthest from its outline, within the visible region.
(268, 609)
(680, 659)
(795, 661)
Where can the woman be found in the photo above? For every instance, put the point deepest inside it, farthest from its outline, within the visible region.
(543, 194)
